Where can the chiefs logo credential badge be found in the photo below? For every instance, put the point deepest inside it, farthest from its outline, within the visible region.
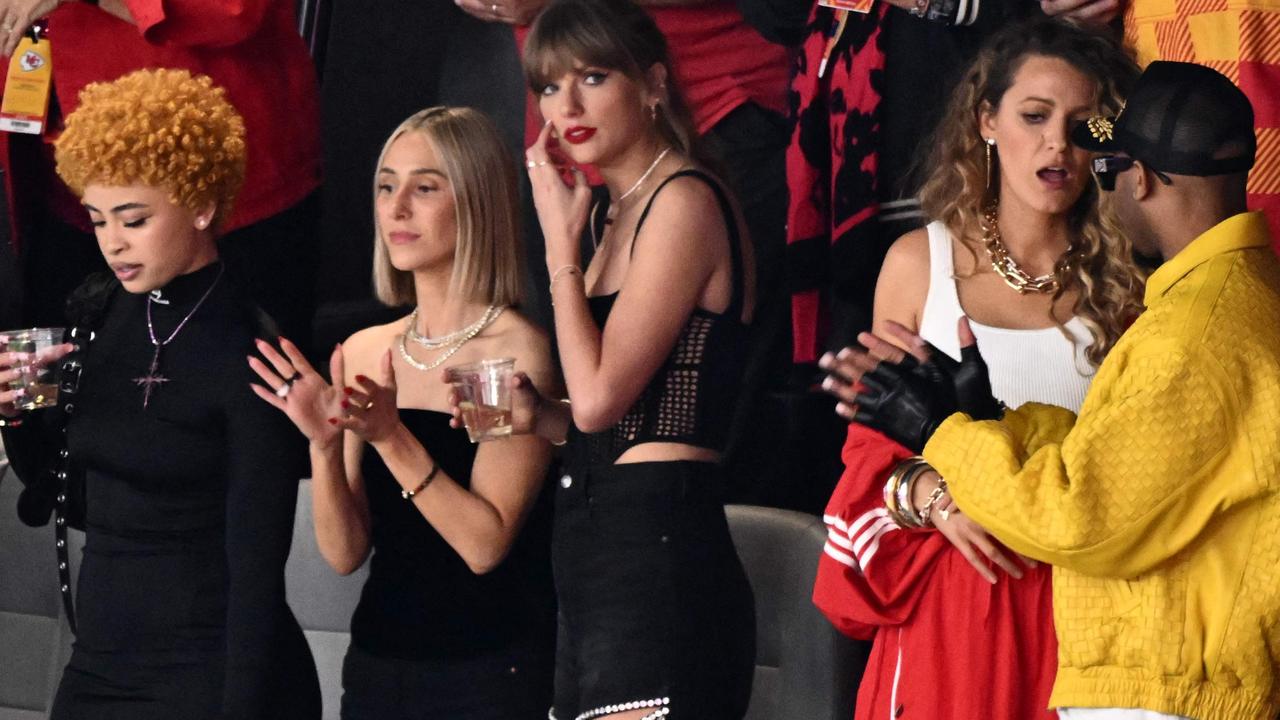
(31, 60)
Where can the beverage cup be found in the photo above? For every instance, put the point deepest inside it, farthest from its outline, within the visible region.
(484, 396)
(38, 375)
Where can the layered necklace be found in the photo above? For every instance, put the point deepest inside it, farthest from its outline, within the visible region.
(153, 379)
(614, 206)
(446, 344)
(1007, 268)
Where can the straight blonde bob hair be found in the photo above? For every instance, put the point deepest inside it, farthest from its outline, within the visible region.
(482, 174)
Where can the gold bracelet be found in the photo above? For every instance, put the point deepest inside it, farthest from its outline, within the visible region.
(898, 492)
(563, 270)
(408, 494)
(934, 497)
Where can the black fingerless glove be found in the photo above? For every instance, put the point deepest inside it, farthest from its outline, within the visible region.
(909, 400)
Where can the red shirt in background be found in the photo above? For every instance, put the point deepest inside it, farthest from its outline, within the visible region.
(250, 47)
(720, 63)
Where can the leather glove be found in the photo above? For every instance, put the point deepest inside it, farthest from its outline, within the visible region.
(909, 400)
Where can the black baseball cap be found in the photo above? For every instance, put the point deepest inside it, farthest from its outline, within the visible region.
(1180, 118)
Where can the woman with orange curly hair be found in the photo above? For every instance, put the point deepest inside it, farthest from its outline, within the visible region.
(188, 482)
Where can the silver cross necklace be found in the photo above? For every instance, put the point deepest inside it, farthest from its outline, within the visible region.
(153, 379)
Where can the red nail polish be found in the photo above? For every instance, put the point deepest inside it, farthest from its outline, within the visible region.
(345, 404)
(347, 390)
(361, 378)
(333, 421)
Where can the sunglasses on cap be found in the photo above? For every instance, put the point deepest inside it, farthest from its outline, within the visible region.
(1107, 167)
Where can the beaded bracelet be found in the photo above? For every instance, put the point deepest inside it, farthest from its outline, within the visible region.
(408, 494)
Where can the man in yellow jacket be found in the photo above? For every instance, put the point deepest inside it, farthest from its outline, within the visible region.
(1159, 505)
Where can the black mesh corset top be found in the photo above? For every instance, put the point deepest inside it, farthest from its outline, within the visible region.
(692, 397)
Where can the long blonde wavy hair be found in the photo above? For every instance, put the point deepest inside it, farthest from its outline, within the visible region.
(1101, 265)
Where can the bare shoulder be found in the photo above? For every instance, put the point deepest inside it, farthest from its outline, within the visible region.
(518, 336)
(688, 201)
(364, 348)
(903, 285)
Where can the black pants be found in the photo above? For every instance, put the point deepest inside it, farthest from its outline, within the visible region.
(503, 686)
(275, 259)
(655, 609)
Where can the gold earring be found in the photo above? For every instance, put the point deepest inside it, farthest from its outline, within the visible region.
(991, 143)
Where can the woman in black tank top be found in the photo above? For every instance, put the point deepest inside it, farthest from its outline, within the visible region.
(456, 619)
(656, 615)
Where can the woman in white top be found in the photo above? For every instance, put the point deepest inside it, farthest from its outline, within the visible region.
(1019, 248)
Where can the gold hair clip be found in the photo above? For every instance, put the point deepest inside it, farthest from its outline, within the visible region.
(1100, 128)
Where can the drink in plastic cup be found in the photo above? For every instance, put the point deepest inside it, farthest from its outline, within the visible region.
(484, 394)
(38, 376)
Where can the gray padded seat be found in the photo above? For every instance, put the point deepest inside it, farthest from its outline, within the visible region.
(35, 641)
(322, 600)
(805, 669)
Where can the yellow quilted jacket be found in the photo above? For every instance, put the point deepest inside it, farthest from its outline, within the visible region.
(1159, 506)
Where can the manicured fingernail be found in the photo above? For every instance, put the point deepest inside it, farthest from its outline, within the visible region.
(361, 378)
(333, 421)
(825, 360)
(828, 383)
(844, 353)
(345, 404)
(347, 391)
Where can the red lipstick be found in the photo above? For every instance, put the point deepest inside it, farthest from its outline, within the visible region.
(578, 134)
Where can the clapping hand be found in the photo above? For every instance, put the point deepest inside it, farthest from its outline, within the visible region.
(295, 388)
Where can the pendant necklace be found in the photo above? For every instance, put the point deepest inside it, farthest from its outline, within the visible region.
(153, 378)
(467, 333)
(612, 212)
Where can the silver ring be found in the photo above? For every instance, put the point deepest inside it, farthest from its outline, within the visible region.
(284, 389)
(530, 164)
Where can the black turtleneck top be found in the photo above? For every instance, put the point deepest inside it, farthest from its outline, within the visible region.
(189, 504)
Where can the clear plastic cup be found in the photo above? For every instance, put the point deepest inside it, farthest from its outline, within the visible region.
(484, 396)
(38, 375)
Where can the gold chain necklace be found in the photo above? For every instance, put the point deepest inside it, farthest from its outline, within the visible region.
(485, 321)
(1007, 268)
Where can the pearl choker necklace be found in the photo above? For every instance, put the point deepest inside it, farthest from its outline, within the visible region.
(462, 336)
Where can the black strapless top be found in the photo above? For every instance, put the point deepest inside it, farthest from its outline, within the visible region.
(692, 397)
(421, 601)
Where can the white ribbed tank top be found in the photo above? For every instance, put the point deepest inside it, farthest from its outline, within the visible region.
(1025, 365)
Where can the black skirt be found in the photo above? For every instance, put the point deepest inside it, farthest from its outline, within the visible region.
(655, 609)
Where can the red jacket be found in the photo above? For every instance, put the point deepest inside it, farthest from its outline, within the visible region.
(249, 47)
(948, 645)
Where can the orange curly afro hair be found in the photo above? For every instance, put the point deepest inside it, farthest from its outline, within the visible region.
(163, 128)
